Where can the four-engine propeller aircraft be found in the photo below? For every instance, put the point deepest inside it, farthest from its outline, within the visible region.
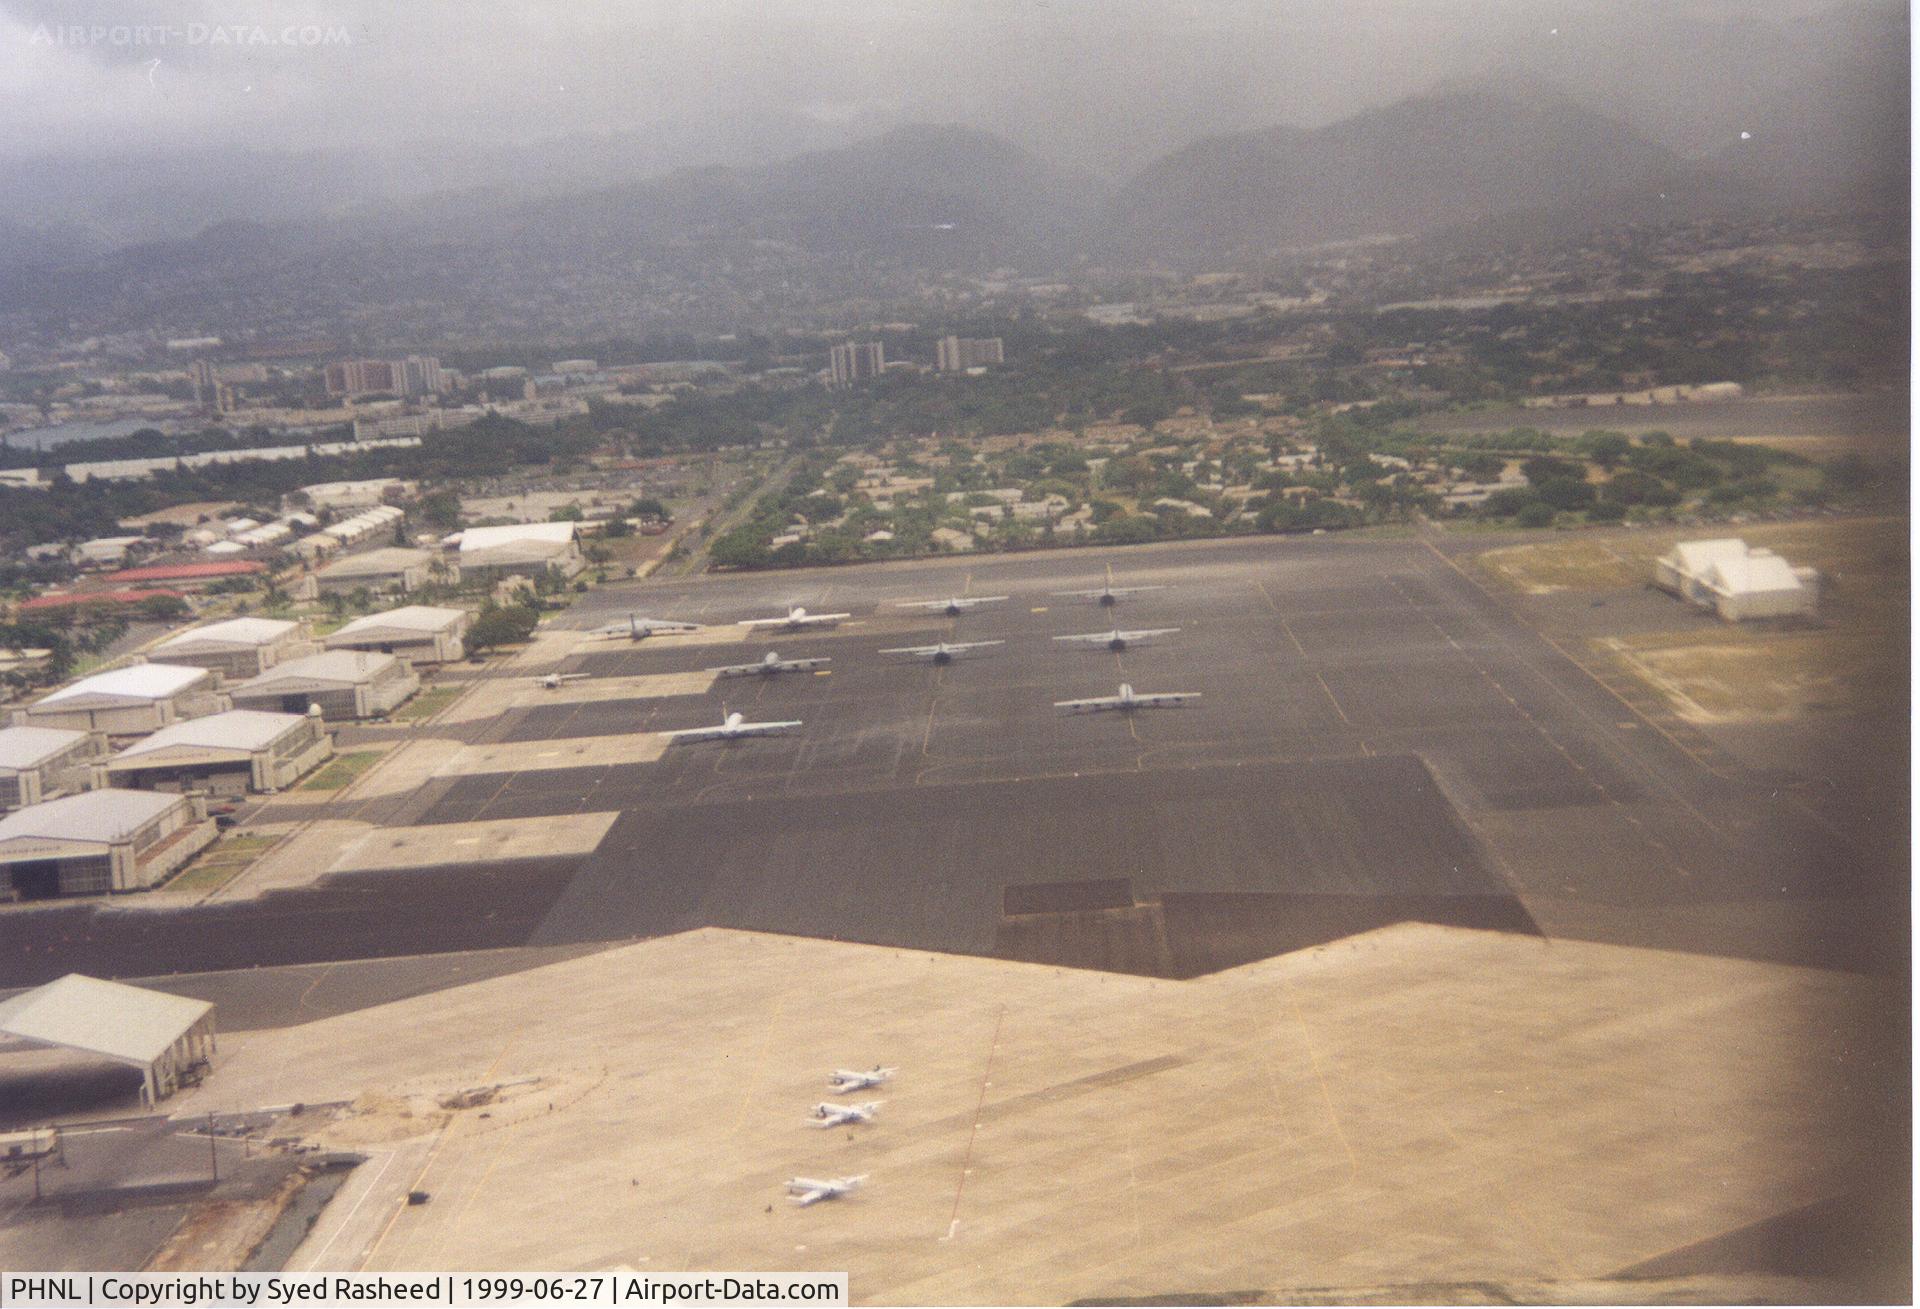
(733, 727)
(1119, 640)
(812, 1190)
(827, 1114)
(844, 1080)
(769, 665)
(952, 606)
(943, 653)
(639, 629)
(552, 681)
(1127, 701)
(797, 619)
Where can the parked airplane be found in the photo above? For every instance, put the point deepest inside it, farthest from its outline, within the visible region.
(552, 681)
(768, 666)
(944, 653)
(797, 619)
(1119, 640)
(732, 728)
(1109, 594)
(811, 1190)
(1127, 701)
(953, 606)
(826, 1114)
(639, 629)
(843, 1080)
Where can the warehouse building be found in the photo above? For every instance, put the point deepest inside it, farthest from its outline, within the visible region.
(421, 634)
(395, 568)
(99, 841)
(345, 684)
(43, 763)
(237, 648)
(128, 701)
(1737, 581)
(491, 553)
(240, 751)
(169, 1038)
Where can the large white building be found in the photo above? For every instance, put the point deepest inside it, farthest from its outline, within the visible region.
(490, 553)
(1738, 581)
(128, 701)
(99, 841)
(232, 753)
(422, 634)
(44, 763)
(237, 648)
(343, 683)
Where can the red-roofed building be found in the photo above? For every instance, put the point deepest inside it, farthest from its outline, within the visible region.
(95, 597)
(189, 574)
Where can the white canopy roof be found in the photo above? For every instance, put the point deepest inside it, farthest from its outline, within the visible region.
(112, 1019)
(348, 666)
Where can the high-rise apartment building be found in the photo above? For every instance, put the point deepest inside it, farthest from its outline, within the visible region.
(959, 353)
(856, 361)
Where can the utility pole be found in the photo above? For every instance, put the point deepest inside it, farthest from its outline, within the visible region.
(213, 1147)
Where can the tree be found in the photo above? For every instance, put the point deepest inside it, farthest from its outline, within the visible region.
(1606, 448)
(162, 608)
(1537, 514)
(501, 625)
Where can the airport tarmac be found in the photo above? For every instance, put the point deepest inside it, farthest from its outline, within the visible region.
(1416, 1106)
(1374, 727)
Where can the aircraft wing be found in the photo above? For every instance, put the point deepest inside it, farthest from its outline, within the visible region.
(1164, 699)
(1088, 638)
(957, 602)
(721, 732)
(1090, 706)
(804, 665)
(814, 1196)
(818, 620)
(1095, 591)
(952, 648)
(762, 666)
(1148, 633)
(764, 622)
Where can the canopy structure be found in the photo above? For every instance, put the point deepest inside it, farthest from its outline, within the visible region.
(162, 1035)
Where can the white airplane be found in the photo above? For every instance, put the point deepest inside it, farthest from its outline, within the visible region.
(1119, 640)
(826, 1114)
(1127, 701)
(768, 666)
(944, 653)
(639, 629)
(553, 681)
(1109, 594)
(844, 1080)
(952, 606)
(812, 1190)
(733, 727)
(797, 619)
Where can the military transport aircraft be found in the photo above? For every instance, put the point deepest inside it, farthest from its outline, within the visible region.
(1127, 701)
(827, 1114)
(811, 1190)
(1119, 640)
(769, 665)
(797, 619)
(943, 653)
(639, 629)
(952, 606)
(844, 1080)
(733, 727)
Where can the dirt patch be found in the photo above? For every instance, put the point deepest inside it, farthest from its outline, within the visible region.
(220, 1235)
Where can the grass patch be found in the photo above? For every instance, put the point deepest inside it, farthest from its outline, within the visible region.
(221, 862)
(426, 704)
(341, 770)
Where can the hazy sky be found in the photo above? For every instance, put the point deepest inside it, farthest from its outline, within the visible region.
(1101, 83)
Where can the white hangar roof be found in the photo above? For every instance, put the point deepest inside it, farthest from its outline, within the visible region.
(23, 747)
(112, 1019)
(99, 817)
(236, 729)
(234, 631)
(137, 682)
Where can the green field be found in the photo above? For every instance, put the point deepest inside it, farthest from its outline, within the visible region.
(341, 770)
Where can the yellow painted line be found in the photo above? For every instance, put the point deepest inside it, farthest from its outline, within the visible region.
(1038, 609)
